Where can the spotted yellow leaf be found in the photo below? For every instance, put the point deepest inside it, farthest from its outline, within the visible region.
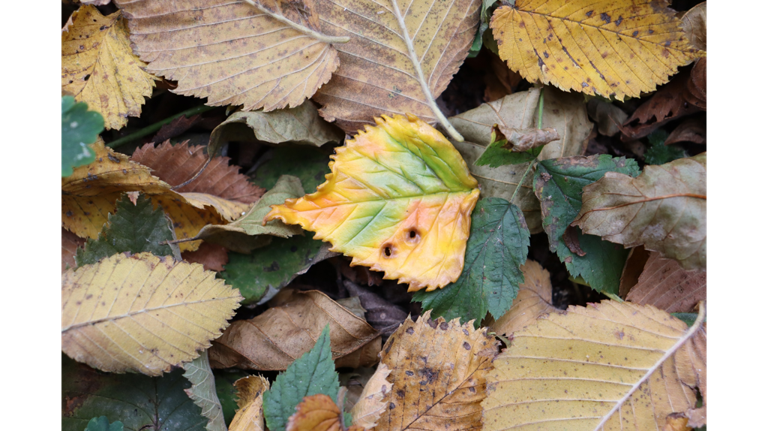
(398, 199)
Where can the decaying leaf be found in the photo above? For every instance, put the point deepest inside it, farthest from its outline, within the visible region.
(250, 394)
(203, 392)
(665, 285)
(70, 243)
(606, 47)
(598, 367)
(438, 373)
(633, 267)
(79, 128)
(399, 59)
(99, 68)
(692, 129)
(607, 116)
(398, 199)
(694, 24)
(664, 209)
(534, 299)
(213, 257)
(132, 313)
(260, 55)
(370, 406)
(318, 413)
(275, 338)
(383, 315)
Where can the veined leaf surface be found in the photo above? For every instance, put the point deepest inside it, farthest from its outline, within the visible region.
(398, 199)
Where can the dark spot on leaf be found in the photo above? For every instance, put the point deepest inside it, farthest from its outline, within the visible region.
(409, 373)
(86, 77)
(272, 268)
(605, 17)
(466, 346)
(589, 14)
(409, 330)
(444, 326)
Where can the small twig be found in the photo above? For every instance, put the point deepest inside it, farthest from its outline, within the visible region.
(152, 128)
(309, 32)
(195, 176)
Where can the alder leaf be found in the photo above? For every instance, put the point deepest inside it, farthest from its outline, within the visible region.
(275, 338)
(438, 373)
(250, 394)
(497, 247)
(598, 367)
(203, 392)
(399, 58)
(79, 128)
(398, 199)
(133, 228)
(558, 185)
(664, 209)
(137, 401)
(370, 406)
(126, 313)
(665, 285)
(533, 300)
(606, 48)
(99, 68)
(313, 373)
(101, 423)
(260, 55)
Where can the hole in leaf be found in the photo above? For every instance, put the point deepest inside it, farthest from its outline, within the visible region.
(412, 234)
(86, 77)
(387, 251)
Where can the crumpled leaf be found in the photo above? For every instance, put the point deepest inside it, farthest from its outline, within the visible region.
(99, 68)
(79, 128)
(203, 392)
(664, 209)
(533, 301)
(438, 373)
(606, 47)
(141, 331)
(370, 406)
(137, 401)
(399, 59)
(276, 337)
(227, 392)
(133, 228)
(233, 53)
(566, 113)
(558, 184)
(497, 248)
(597, 367)
(250, 393)
(398, 199)
(313, 373)
(665, 285)
(69, 246)
(101, 423)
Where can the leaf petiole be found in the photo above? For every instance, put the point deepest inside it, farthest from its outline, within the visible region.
(298, 27)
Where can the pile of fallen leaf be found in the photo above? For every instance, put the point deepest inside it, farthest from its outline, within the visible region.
(424, 215)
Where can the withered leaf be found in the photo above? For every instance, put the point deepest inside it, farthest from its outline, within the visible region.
(250, 394)
(69, 245)
(380, 313)
(213, 257)
(371, 405)
(667, 286)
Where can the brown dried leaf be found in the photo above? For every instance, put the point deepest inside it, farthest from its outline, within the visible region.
(69, 245)
(371, 405)
(383, 315)
(500, 80)
(213, 257)
(519, 140)
(696, 87)
(694, 24)
(250, 396)
(667, 286)
(438, 375)
(316, 413)
(534, 299)
(607, 116)
(176, 128)
(690, 130)
(233, 53)
(277, 337)
(633, 267)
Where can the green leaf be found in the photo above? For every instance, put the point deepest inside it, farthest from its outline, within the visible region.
(79, 128)
(226, 391)
(688, 318)
(313, 373)
(134, 228)
(497, 247)
(309, 164)
(101, 423)
(477, 43)
(495, 156)
(157, 403)
(558, 184)
(203, 391)
(270, 268)
(659, 153)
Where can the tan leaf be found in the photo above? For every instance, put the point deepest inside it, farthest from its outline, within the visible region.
(664, 209)
(534, 299)
(133, 313)
(438, 374)
(250, 397)
(400, 57)
(690, 130)
(263, 55)
(277, 337)
(667, 286)
(99, 68)
(213, 257)
(371, 405)
(605, 47)
(694, 24)
(69, 245)
(316, 413)
(598, 367)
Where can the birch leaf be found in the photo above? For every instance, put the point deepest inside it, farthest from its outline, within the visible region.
(602, 367)
(263, 55)
(203, 392)
(127, 313)
(605, 47)
(250, 394)
(400, 57)
(99, 68)
(398, 199)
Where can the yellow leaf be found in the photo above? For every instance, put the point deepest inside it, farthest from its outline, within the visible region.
(610, 48)
(398, 199)
(250, 397)
(264, 55)
(438, 373)
(135, 313)
(598, 367)
(371, 405)
(99, 68)
(533, 300)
